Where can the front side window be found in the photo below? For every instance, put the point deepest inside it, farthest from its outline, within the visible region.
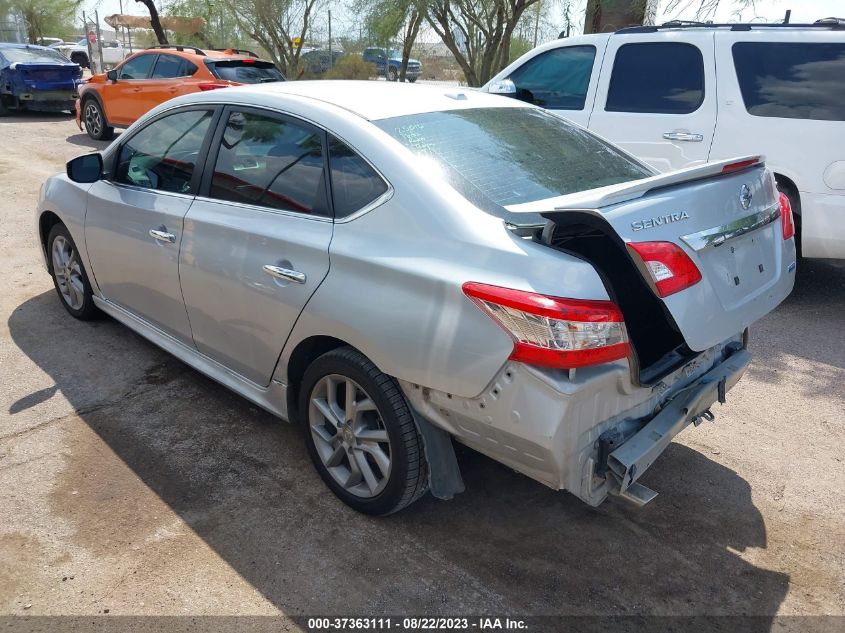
(164, 154)
(355, 184)
(792, 80)
(557, 79)
(271, 162)
(171, 66)
(496, 157)
(657, 77)
(137, 67)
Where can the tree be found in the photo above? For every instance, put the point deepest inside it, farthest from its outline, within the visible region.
(43, 18)
(221, 29)
(477, 32)
(386, 19)
(274, 24)
(155, 22)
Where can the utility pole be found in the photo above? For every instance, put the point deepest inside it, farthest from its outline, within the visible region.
(331, 57)
(536, 23)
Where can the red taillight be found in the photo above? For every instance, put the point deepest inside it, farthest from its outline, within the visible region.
(212, 86)
(670, 267)
(742, 164)
(786, 219)
(552, 331)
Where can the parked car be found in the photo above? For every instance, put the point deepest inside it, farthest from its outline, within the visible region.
(50, 42)
(318, 62)
(36, 78)
(389, 63)
(681, 95)
(122, 95)
(395, 267)
(113, 52)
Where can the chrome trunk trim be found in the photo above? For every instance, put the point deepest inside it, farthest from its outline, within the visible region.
(718, 235)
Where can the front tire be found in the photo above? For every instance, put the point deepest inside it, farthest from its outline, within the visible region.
(360, 433)
(392, 75)
(69, 276)
(95, 121)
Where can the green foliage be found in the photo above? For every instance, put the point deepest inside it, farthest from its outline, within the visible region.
(221, 27)
(519, 46)
(44, 18)
(351, 67)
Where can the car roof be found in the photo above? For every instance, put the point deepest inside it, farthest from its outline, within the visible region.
(371, 100)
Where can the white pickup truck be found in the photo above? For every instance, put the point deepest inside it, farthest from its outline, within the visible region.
(113, 53)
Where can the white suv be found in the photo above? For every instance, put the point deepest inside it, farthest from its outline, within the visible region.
(684, 94)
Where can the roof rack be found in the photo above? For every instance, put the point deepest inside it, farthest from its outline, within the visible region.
(178, 47)
(236, 51)
(834, 24)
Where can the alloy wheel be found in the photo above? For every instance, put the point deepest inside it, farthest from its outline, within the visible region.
(93, 119)
(349, 435)
(68, 273)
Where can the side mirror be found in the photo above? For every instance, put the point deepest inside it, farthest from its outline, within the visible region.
(111, 75)
(503, 87)
(86, 168)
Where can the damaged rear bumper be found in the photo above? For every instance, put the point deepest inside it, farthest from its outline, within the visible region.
(626, 464)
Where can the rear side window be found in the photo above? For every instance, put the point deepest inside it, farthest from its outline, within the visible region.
(504, 156)
(171, 66)
(163, 154)
(557, 79)
(271, 162)
(245, 71)
(137, 67)
(792, 80)
(656, 77)
(355, 184)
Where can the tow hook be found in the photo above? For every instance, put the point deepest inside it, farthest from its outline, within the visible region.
(704, 415)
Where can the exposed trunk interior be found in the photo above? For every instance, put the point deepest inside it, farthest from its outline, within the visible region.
(658, 345)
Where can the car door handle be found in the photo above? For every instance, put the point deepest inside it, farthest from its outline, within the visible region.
(683, 136)
(163, 236)
(285, 273)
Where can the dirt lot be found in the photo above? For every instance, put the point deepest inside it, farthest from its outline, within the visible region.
(130, 484)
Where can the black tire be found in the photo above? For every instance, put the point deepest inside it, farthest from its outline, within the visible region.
(392, 74)
(87, 310)
(3, 109)
(101, 132)
(412, 79)
(408, 478)
(79, 58)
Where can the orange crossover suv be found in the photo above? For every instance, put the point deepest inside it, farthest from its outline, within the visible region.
(142, 81)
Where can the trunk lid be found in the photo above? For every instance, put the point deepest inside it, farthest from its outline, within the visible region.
(45, 76)
(725, 218)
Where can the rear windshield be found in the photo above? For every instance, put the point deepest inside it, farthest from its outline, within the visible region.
(792, 80)
(33, 55)
(245, 71)
(507, 156)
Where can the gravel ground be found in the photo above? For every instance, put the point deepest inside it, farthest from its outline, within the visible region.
(131, 484)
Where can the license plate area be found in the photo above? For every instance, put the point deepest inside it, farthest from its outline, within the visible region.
(743, 267)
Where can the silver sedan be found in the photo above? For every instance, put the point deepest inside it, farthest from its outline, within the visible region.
(400, 267)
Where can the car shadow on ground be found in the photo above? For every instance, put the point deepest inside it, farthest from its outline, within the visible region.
(82, 139)
(241, 480)
(818, 301)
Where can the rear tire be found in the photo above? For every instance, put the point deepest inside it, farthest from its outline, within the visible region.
(95, 122)
(79, 58)
(392, 75)
(360, 433)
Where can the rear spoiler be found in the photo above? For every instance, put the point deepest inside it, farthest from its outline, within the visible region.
(626, 191)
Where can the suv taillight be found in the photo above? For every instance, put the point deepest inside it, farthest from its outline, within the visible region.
(786, 219)
(670, 267)
(552, 331)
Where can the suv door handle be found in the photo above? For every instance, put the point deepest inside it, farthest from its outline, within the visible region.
(683, 136)
(285, 273)
(163, 236)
